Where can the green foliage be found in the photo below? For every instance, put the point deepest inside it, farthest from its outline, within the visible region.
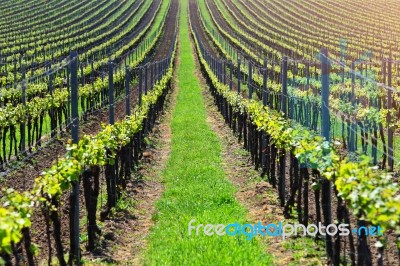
(372, 195)
(17, 208)
(15, 214)
(11, 115)
(361, 112)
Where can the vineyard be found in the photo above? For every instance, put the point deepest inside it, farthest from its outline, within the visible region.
(141, 132)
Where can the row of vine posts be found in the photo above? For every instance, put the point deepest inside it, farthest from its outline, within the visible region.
(116, 174)
(296, 194)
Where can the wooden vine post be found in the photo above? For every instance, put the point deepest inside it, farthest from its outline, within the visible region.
(326, 184)
(23, 100)
(284, 110)
(75, 255)
(390, 131)
(238, 76)
(127, 91)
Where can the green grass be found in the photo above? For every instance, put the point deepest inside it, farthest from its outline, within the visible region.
(305, 250)
(196, 186)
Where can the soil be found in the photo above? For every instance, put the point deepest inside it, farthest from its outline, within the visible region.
(240, 171)
(125, 235)
(255, 194)
(197, 26)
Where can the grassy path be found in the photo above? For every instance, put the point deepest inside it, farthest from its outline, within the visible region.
(196, 186)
